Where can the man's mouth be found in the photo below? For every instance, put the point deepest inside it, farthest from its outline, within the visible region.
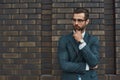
(78, 28)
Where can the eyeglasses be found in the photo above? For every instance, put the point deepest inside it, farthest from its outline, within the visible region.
(78, 20)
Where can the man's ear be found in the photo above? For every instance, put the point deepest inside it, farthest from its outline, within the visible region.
(87, 21)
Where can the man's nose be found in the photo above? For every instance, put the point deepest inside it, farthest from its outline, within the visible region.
(76, 22)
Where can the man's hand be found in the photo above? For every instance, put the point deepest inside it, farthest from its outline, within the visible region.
(77, 35)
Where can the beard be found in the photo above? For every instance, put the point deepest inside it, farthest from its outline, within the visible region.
(76, 27)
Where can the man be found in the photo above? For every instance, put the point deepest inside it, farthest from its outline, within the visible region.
(78, 52)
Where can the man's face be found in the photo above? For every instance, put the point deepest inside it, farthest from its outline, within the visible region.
(79, 21)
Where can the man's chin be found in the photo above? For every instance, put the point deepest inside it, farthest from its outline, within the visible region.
(79, 29)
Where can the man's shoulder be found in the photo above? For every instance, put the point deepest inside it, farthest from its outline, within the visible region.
(66, 37)
(91, 37)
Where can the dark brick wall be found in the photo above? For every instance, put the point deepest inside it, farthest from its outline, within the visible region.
(30, 29)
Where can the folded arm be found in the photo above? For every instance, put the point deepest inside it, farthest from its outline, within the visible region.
(64, 61)
(91, 53)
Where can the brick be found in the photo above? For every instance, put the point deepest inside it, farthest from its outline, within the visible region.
(31, 78)
(21, 38)
(6, 72)
(11, 22)
(46, 24)
(46, 11)
(46, 17)
(18, 28)
(2, 77)
(117, 16)
(46, 44)
(11, 55)
(38, 22)
(10, 33)
(19, 16)
(45, 33)
(5, 17)
(10, 44)
(27, 22)
(71, 5)
(2, 49)
(46, 1)
(11, 66)
(30, 66)
(34, 61)
(58, 5)
(24, 5)
(36, 28)
(55, 38)
(65, 10)
(34, 16)
(22, 72)
(11, 11)
(20, 61)
(117, 38)
(98, 33)
(36, 72)
(34, 49)
(27, 44)
(62, 21)
(1, 11)
(94, 15)
(46, 71)
(27, 33)
(58, 16)
(28, 56)
(27, 1)
(63, 1)
(117, 21)
(46, 7)
(5, 61)
(46, 50)
(38, 10)
(34, 5)
(90, 5)
(97, 10)
(11, 1)
(57, 72)
(47, 77)
(14, 77)
(5, 6)
(27, 11)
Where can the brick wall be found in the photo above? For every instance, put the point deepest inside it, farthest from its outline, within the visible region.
(30, 29)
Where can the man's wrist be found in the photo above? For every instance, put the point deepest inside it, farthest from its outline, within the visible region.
(82, 44)
(82, 41)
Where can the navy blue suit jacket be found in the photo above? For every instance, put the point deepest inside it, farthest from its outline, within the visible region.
(73, 61)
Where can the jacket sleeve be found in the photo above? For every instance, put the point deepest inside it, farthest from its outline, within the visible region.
(91, 53)
(65, 63)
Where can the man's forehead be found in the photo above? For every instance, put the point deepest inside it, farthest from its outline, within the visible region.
(81, 15)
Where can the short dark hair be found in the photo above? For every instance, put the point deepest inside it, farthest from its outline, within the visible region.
(82, 10)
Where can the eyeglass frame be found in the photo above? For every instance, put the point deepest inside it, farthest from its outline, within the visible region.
(78, 20)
